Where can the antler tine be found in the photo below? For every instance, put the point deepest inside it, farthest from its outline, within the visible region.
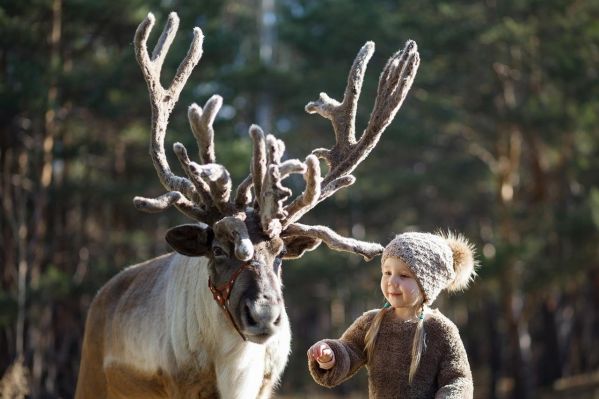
(166, 39)
(201, 125)
(243, 194)
(309, 198)
(203, 189)
(165, 201)
(271, 202)
(162, 101)
(258, 161)
(274, 150)
(212, 180)
(219, 180)
(394, 83)
(343, 115)
(333, 240)
(273, 192)
(291, 166)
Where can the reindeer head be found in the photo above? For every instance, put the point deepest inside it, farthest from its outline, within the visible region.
(246, 235)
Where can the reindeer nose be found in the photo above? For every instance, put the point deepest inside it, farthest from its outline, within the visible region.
(262, 317)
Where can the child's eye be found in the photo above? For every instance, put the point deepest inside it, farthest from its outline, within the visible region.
(387, 273)
(404, 276)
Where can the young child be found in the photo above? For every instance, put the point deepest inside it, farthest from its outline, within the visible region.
(410, 350)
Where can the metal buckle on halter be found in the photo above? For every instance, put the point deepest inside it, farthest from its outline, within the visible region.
(221, 295)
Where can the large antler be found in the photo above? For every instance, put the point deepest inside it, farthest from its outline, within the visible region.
(182, 193)
(394, 83)
(347, 153)
(205, 194)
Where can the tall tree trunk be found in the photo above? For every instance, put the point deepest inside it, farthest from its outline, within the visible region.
(20, 203)
(513, 301)
(40, 246)
(266, 23)
(551, 359)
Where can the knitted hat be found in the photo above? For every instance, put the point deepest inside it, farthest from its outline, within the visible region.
(437, 261)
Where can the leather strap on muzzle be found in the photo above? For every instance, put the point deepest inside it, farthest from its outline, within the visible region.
(221, 294)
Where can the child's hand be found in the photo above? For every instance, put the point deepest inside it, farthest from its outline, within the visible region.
(323, 354)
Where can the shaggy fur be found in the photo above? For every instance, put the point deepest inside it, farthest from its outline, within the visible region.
(128, 353)
(464, 263)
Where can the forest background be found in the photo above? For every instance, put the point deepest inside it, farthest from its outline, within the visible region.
(498, 139)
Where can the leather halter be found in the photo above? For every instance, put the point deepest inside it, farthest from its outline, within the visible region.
(221, 294)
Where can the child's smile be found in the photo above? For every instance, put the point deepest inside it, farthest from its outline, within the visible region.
(399, 285)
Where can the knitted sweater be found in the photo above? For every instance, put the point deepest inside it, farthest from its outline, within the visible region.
(444, 371)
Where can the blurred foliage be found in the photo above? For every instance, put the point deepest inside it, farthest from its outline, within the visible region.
(497, 139)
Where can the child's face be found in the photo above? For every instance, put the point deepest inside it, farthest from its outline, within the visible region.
(399, 285)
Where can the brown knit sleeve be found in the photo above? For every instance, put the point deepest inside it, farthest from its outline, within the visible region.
(455, 377)
(349, 354)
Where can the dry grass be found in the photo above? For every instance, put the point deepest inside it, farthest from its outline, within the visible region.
(15, 381)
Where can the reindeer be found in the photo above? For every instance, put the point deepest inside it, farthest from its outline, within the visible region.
(209, 320)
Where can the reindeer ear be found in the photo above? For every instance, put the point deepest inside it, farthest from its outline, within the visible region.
(190, 239)
(295, 246)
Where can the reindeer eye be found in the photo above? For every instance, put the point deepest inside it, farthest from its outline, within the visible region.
(218, 252)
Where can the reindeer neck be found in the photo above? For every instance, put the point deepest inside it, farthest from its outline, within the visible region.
(194, 318)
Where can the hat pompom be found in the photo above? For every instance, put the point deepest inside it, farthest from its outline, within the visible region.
(464, 263)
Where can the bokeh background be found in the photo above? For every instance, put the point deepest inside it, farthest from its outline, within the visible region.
(498, 139)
